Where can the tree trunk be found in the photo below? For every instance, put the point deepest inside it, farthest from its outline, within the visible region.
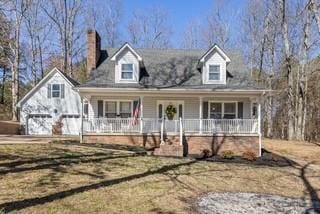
(285, 35)
(15, 71)
(40, 57)
(303, 106)
(314, 7)
(3, 84)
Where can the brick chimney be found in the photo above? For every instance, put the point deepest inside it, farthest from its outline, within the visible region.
(94, 50)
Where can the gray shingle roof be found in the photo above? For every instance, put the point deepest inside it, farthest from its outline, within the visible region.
(173, 68)
(73, 81)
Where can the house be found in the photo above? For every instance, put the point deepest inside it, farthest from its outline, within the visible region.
(52, 106)
(181, 102)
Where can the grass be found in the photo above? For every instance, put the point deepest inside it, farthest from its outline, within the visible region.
(71, 178)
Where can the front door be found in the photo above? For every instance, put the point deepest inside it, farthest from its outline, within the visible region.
(171, 110)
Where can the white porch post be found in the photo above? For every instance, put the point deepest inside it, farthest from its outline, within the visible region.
(259, 125)
(141, 114)
(200, 114)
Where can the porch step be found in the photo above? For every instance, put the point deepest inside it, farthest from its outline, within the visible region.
(172, 140)
(169, 148)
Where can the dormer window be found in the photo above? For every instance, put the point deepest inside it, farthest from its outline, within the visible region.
(214, 66)
(127, 71)
(127, 65)
(214, 72)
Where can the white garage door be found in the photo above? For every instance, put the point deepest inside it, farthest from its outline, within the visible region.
(39, 125)
(71, 124)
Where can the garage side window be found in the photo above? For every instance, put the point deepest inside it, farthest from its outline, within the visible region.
(56, 90)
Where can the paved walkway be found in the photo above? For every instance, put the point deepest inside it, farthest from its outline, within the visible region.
(18, 139)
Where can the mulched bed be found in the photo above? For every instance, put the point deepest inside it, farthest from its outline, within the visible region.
(253, 203)
(267, 159)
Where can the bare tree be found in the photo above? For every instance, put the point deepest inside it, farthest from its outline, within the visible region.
(65, 15)
(5, 29)
(150, 30)
(17, 10)
(314, 5)
(218, 30)
(288, 55)
(192, 35)
(36, 29)
(252, 33)
(111, 18)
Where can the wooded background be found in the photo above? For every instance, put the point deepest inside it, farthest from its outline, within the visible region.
(279, 40)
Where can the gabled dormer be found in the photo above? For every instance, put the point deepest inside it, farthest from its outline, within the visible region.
(214, 66)
(127, 64)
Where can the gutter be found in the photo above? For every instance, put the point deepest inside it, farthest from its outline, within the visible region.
(172, 90)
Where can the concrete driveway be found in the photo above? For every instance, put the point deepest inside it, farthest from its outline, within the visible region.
(18, 139)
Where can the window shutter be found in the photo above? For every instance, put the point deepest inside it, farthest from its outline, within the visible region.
(180, 110)
(62, 90)
(160, 110)
(205, 106)
(240, 110)
(100, 108)
(49, 90)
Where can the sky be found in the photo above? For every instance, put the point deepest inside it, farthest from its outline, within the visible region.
(182, 11)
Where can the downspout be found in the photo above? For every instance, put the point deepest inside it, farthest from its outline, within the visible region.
(81, 115)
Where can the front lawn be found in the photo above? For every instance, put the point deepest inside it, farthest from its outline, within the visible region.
(68, 178)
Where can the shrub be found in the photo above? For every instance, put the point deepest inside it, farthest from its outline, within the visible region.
(250, 156)
(227, 154)
(205, 153)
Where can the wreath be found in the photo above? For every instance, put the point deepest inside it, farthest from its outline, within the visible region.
(171, 111)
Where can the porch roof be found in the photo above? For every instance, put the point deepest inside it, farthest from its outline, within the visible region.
(168, 69)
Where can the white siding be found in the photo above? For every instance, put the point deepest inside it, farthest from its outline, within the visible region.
(126, 56)
(214, 58)
(39, 103)
(191, 104)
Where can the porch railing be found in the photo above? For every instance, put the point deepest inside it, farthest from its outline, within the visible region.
(153, 125)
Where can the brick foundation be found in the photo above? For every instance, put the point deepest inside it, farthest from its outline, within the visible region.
(147, 141)
(194, 145)
(198, 145)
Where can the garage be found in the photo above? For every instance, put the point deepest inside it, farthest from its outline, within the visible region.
(71, 124)
(39, 124)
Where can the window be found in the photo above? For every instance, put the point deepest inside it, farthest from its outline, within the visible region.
(223, 110)
(125, 109)
(229, 111)
(214, 72)
(55, 90)
(110, 110)
(216, 110)
(127, 71)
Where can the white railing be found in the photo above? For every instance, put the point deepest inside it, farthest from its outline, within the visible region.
(230, 126)
(153, 125)
(111, 125)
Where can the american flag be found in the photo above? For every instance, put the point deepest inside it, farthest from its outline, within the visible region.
(136, 115)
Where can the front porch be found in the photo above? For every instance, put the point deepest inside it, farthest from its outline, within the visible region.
(201, 123)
